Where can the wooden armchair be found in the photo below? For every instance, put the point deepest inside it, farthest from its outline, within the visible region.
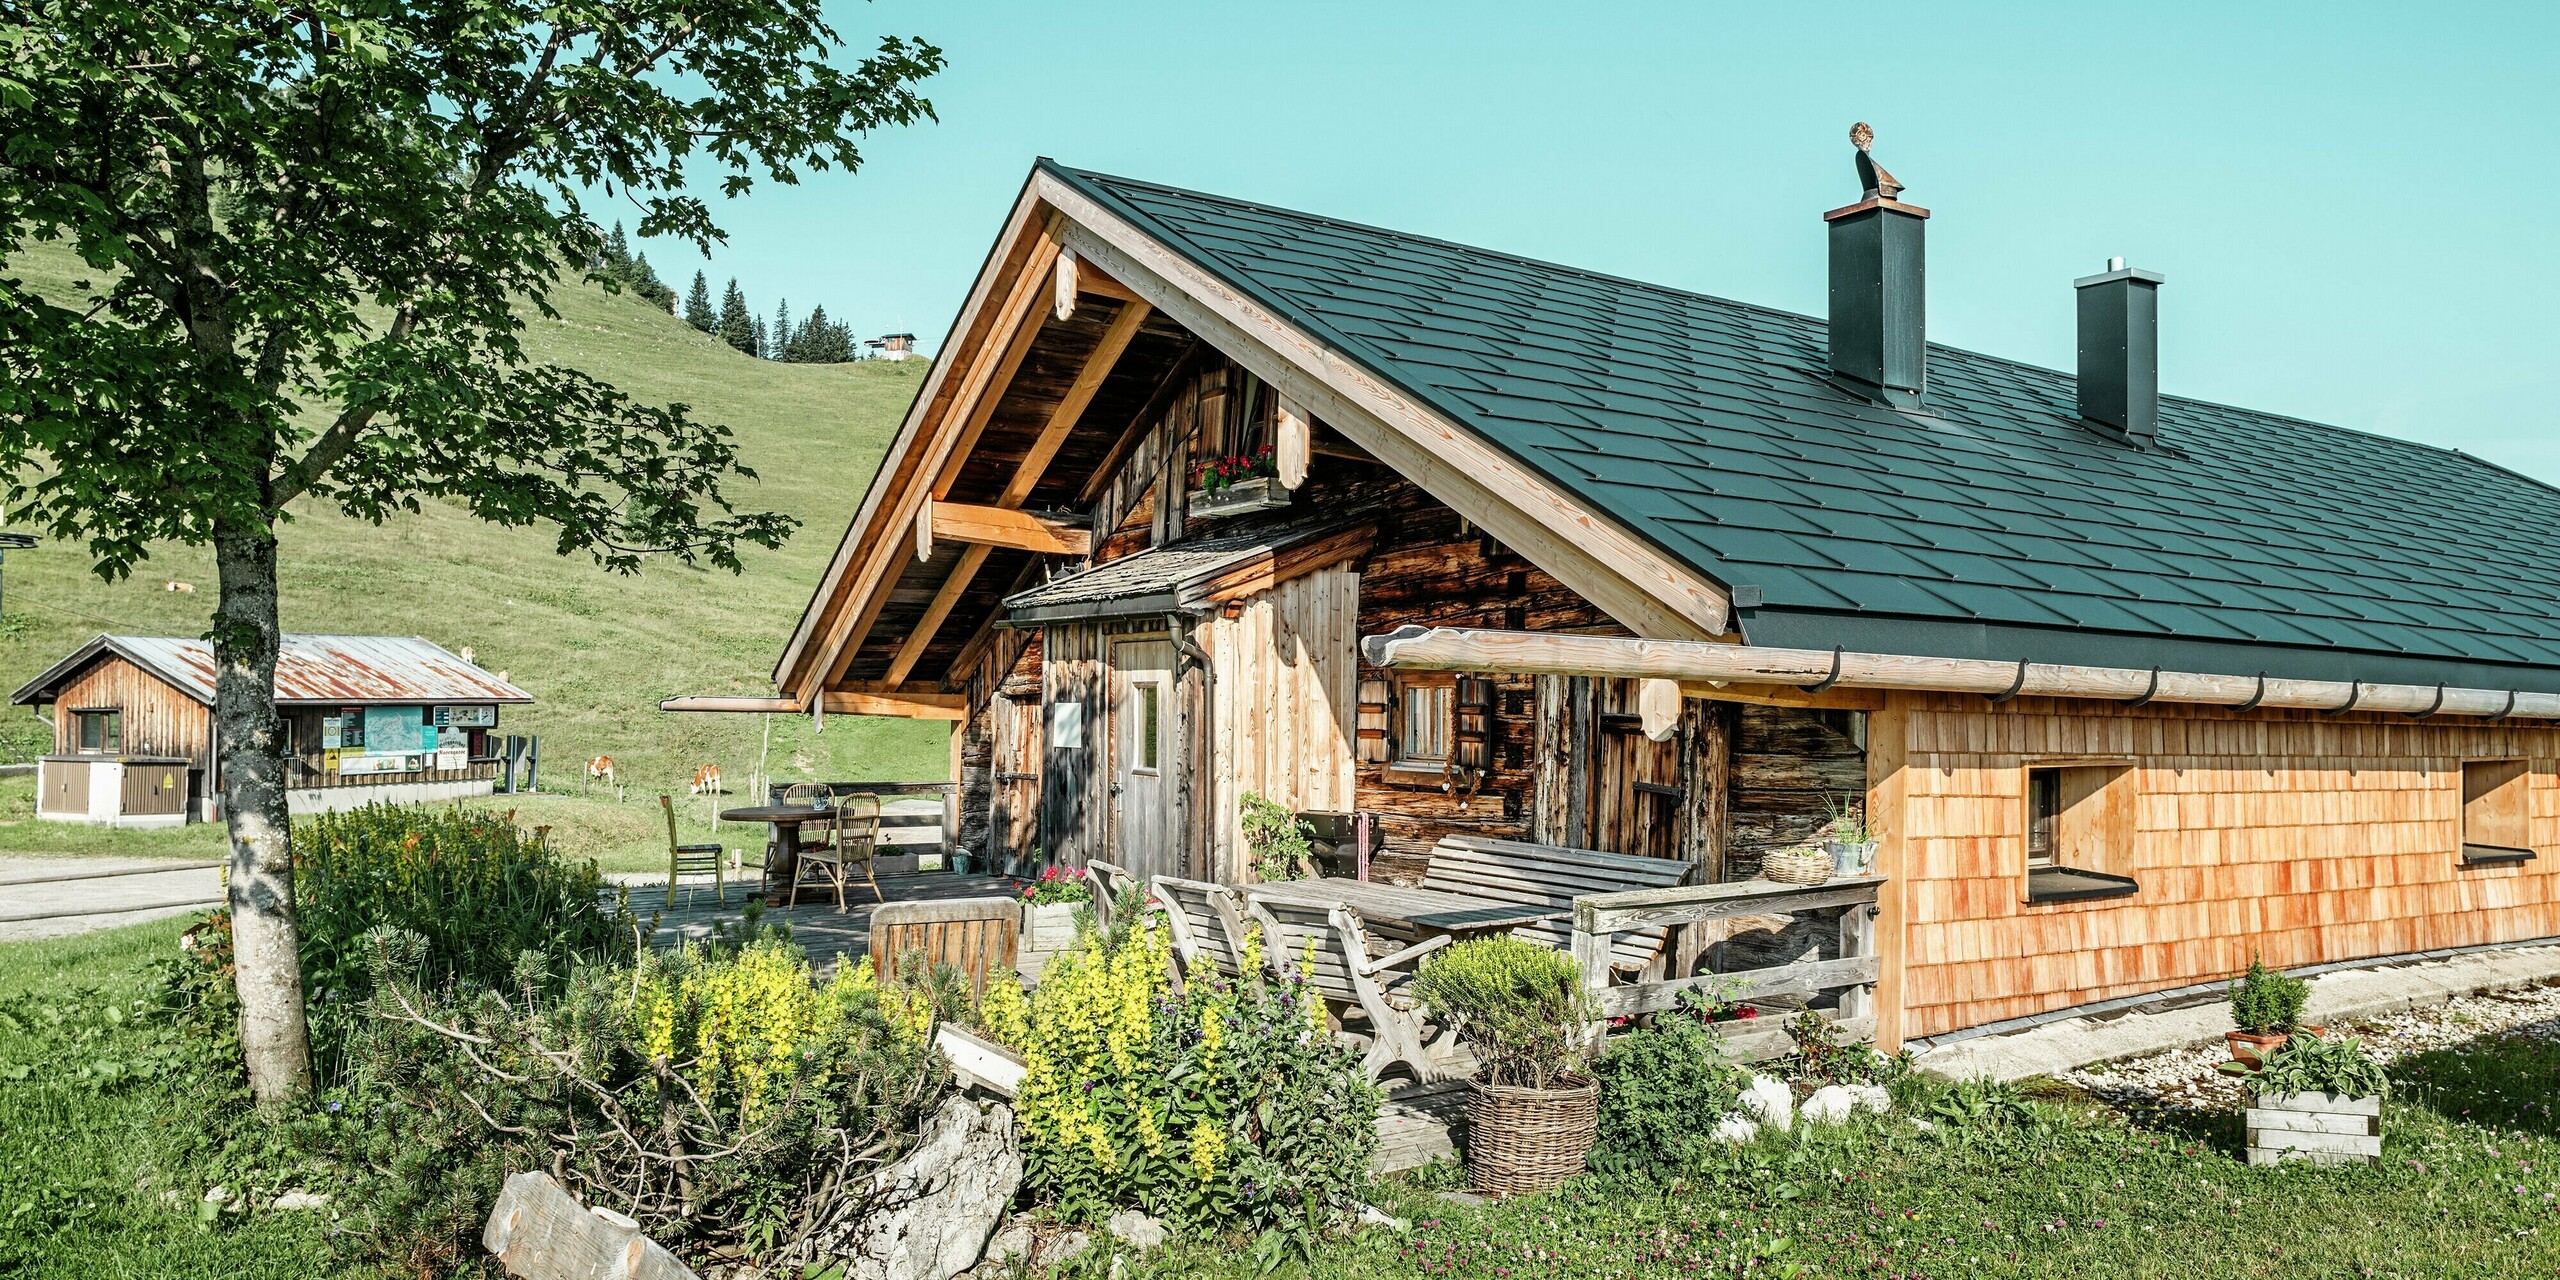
(1106, 879)
(1207, 922)
(1357, 985)
(684, 859)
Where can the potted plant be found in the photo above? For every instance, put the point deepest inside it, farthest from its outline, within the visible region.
(2266, 1009)
(1852, 843)
(1532, 1107)
(1235, 485)
(2317, 1098)
(1049, 909)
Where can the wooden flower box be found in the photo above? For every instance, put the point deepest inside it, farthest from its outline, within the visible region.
(1263, 493)
(2322, 1128)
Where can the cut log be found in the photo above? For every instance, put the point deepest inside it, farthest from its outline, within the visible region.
(541, 1232)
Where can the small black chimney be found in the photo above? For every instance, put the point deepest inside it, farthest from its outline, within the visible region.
(2120, 350)
(1879, 296)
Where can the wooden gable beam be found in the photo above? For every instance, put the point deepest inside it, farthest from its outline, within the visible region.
(1264, 572)
(1017, 326)
(1000, 527)
(1053, 436)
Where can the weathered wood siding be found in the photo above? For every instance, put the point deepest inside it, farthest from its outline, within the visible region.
(1075, 782)
(2291, 835)
(1281, 704)
(1789, 765)
(158, 720)
(1007, 717)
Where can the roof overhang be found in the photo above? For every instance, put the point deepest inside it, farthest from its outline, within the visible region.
(1644, 588)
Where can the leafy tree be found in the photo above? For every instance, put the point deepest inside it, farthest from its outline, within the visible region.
(737, 327)
(309, 228)
(697, 305)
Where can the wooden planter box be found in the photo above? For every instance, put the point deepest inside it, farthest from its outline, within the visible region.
(1048, 927)
(2322, 1128)
(1262, 494)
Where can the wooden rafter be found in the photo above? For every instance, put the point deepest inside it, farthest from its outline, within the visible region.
(1035, 462)
(1001, 527)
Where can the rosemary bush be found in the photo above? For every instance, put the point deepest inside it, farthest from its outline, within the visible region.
(2264, 1001)
(1518, 1005)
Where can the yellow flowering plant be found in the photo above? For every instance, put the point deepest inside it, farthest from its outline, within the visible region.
(1220, 1102)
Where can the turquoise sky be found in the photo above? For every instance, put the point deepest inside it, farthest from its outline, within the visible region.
(2354, 204)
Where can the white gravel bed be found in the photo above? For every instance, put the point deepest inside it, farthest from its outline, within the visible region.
(2186, 1079)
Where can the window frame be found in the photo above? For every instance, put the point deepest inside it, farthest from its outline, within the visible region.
(1400, 704)
(2500, 838)
(110, 734)
(2090, 822)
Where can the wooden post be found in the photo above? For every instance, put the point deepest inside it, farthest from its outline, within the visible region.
(1591, 954)
(1857, 938)
(1888, 796)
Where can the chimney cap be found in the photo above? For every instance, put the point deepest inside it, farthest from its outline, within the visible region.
(2116, 270)
(1876, 182)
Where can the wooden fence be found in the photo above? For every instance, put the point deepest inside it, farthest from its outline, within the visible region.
(1597, 917)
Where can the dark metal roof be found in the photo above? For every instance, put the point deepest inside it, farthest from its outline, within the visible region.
(1992, 523)
(310, 669)
(1157, 580)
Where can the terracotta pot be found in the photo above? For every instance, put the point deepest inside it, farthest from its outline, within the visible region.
(1521, 1141)
(2250, 1050)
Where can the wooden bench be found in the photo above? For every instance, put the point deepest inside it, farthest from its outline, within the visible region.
(1508, 871)
(1353, 982)
(977, 936)
(1207, 922)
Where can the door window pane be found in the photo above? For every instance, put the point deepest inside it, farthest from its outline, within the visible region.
(1150, 729)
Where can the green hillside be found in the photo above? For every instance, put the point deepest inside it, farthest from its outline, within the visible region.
(596, 650)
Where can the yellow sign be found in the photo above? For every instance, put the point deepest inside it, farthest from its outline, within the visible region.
(329, 760)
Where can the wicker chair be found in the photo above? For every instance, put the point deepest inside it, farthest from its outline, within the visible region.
(857, 840)
(683, 859)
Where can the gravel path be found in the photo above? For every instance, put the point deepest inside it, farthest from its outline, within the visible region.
(2186, 1079)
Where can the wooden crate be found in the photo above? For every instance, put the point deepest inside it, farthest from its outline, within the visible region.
(2322, 1128)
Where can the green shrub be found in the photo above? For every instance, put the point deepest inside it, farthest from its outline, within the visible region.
(1220, 1103)
(1662, 1088)
(1981, 1102)
(2264, 1001)
(1518, 1005)
(2323, 1064)
(1279, 840)
(1822, 1057)
(473, 890)
(763, 1096)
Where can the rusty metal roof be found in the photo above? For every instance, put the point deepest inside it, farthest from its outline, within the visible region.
(310, 670)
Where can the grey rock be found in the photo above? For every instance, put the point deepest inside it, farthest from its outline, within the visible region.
(1136, 1229)
(295, 1200)
(1015, 1240)
(943, 1201)
(1058, 1248)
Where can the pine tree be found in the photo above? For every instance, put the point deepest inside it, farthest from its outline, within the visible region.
(781, 332)
(737, 326)
(697, 305)
(617, 254)
(645, 282)
(763, 341)
(822, 341)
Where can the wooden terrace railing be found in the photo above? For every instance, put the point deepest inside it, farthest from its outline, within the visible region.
(1598, 916)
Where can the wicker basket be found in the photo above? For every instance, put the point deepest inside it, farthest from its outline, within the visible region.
(1797, 866)
(1521, 1140)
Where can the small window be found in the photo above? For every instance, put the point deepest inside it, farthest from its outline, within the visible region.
(2497, 812)
(102, 733)
(1428, 711)
(1150, 726)
(2079, 832)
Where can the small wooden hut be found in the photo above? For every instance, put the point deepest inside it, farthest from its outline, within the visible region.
(367, 718)
(2131, 687)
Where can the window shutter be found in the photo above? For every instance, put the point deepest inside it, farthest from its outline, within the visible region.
(1472, 745)
(1374, 744)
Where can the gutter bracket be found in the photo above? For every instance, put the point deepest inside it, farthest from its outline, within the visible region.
(2432, 707)
(2510, 708)
(2255, 698)
(2355, 694)
(1834, 678)
(2152, 691)
(2014, 685)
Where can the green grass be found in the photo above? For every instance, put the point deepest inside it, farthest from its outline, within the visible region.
(596, 650)
(103, 1181)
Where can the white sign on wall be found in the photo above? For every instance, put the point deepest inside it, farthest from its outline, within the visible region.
(1066, 725)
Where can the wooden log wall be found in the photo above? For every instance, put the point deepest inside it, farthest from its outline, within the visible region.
(1789, 764)
(158, 720)
(1281, 714)
(2292, 835)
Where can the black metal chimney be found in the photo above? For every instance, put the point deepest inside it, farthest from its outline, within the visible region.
(2120, 350)
(1879, 295)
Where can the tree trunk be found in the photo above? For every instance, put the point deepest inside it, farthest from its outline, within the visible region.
(249, 752)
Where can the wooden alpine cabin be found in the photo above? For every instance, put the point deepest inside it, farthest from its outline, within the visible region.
(367, 718)
(2129, 687)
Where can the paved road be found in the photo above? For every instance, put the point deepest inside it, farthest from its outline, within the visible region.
(57, 897)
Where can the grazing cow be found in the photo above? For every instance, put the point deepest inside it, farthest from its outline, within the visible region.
(706, 780)
(601, 769)
(187, 587)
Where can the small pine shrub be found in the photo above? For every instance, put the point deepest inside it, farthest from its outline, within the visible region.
(1519, 1006)
(1279, 840)
(2265, 1002)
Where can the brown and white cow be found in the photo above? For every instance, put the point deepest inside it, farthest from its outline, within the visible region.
(706, 780)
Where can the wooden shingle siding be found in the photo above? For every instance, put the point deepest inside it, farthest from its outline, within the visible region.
(2291, 835)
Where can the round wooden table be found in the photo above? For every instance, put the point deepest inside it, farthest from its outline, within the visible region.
(782, 864)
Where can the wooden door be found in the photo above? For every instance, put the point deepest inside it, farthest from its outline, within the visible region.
(1144, 770)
